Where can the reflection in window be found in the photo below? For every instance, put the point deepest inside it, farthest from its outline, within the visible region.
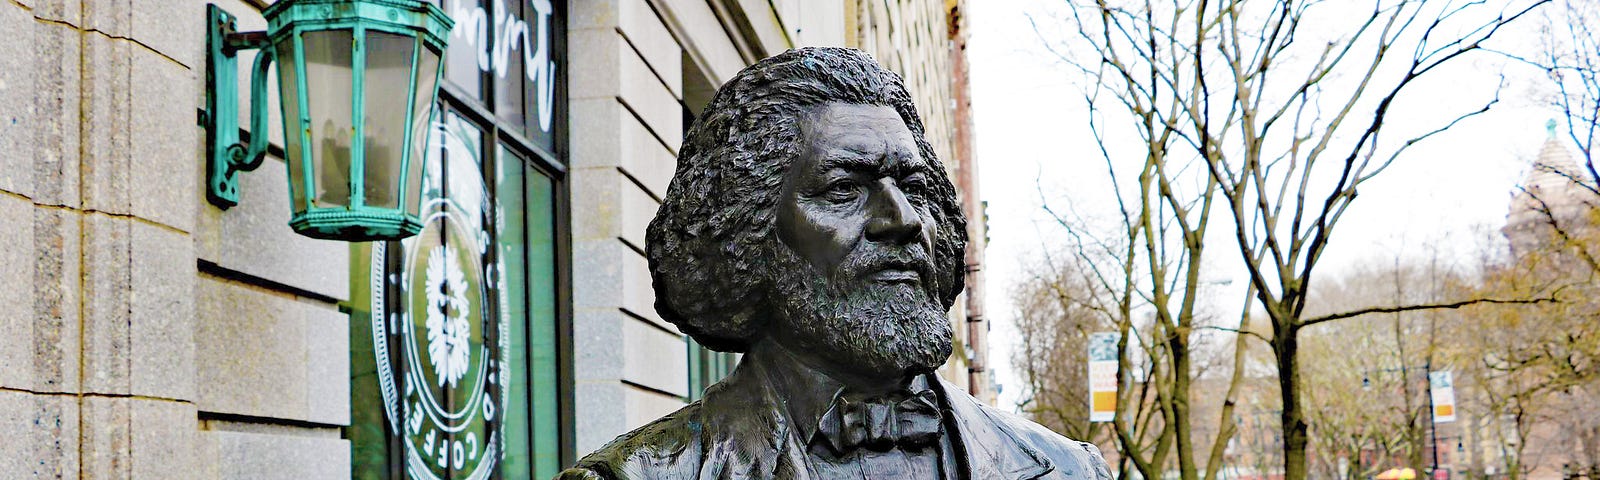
(501, 196)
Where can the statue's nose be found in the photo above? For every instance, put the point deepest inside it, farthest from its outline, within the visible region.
(892, 218)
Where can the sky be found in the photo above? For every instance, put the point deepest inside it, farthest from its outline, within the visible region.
(1033, 143)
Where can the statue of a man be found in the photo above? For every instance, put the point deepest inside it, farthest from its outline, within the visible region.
(810, 226)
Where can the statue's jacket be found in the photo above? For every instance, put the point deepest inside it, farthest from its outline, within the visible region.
(738, 432)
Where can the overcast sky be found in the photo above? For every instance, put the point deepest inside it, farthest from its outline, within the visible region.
(1031, 125)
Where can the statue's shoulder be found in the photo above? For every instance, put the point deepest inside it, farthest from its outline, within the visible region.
(1064, 452)
(1071, 458)
(669, 447)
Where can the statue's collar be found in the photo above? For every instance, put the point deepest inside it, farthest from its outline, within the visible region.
(805, 394)
(750, 436)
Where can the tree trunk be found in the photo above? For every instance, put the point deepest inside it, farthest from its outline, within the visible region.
(1180, 405)
(1286, 345)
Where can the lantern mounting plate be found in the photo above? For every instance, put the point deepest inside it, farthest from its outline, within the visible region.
(226, 154)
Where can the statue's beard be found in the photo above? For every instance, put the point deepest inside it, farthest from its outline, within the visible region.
(857, 325)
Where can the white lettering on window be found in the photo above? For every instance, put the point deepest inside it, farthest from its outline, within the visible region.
(513, 34)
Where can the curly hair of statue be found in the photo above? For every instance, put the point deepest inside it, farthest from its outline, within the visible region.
(713, 233)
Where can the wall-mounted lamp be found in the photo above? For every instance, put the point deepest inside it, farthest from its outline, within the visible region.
(356, 83)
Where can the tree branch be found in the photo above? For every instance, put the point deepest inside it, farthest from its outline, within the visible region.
(1426, 306)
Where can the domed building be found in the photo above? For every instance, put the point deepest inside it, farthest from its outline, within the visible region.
(1557, 192)
(1556, 187)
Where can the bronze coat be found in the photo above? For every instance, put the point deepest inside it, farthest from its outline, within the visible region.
(739, 432)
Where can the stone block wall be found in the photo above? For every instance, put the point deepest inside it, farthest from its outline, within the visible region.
(151, 334)
(96, 216)
(625, 91)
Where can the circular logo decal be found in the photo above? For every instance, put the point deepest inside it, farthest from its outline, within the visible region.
(436, 322)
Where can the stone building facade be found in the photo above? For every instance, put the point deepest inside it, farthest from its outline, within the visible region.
(154, 335)
(1556, 191)
(1554, 188)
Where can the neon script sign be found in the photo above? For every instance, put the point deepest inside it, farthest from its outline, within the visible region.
(496, 40)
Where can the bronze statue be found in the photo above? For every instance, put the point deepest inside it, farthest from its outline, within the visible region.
(810, 226)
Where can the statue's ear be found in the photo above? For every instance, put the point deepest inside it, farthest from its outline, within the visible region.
(951, 253)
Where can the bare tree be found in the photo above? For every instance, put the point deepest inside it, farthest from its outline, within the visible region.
(1057, 310)
(1150, 265)
(1283, 106)
(1370, 371)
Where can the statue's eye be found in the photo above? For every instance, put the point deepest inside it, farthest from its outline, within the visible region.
(915, 187)
(842, 190)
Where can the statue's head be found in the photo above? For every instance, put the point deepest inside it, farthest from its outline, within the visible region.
(808, 209)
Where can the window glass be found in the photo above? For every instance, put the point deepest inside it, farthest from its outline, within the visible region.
(542, 310)
(422, 122)
(454, 350)
(469, 53)
(511, 35)
(527, 248)
(370, 449)
(432, 321)
(512, 240)
(388, 79)
(292, 153)
(329, 68)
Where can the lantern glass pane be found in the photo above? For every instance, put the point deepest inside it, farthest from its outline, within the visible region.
(387, 86)
(421, 128)
(328, 55)
(289, 93)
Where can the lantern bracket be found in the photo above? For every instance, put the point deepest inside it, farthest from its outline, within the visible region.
(227, 155)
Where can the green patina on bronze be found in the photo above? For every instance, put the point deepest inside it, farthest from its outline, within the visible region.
(350, 214)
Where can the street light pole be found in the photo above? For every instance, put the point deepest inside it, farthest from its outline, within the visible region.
(1405, 378)
(1433, 424)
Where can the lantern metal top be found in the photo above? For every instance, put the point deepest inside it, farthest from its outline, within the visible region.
(409, 17)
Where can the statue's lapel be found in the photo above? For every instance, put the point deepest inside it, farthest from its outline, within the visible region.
(747, 438)
(989, 447)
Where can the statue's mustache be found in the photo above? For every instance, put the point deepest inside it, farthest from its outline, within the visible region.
(870, 259)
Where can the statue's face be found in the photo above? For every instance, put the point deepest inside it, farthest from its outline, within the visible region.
(859, 184)
(856, 282)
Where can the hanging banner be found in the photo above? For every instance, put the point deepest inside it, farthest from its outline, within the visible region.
(1442, 387)
(1102, 376)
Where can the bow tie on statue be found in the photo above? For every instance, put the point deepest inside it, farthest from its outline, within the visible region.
(909, 420)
